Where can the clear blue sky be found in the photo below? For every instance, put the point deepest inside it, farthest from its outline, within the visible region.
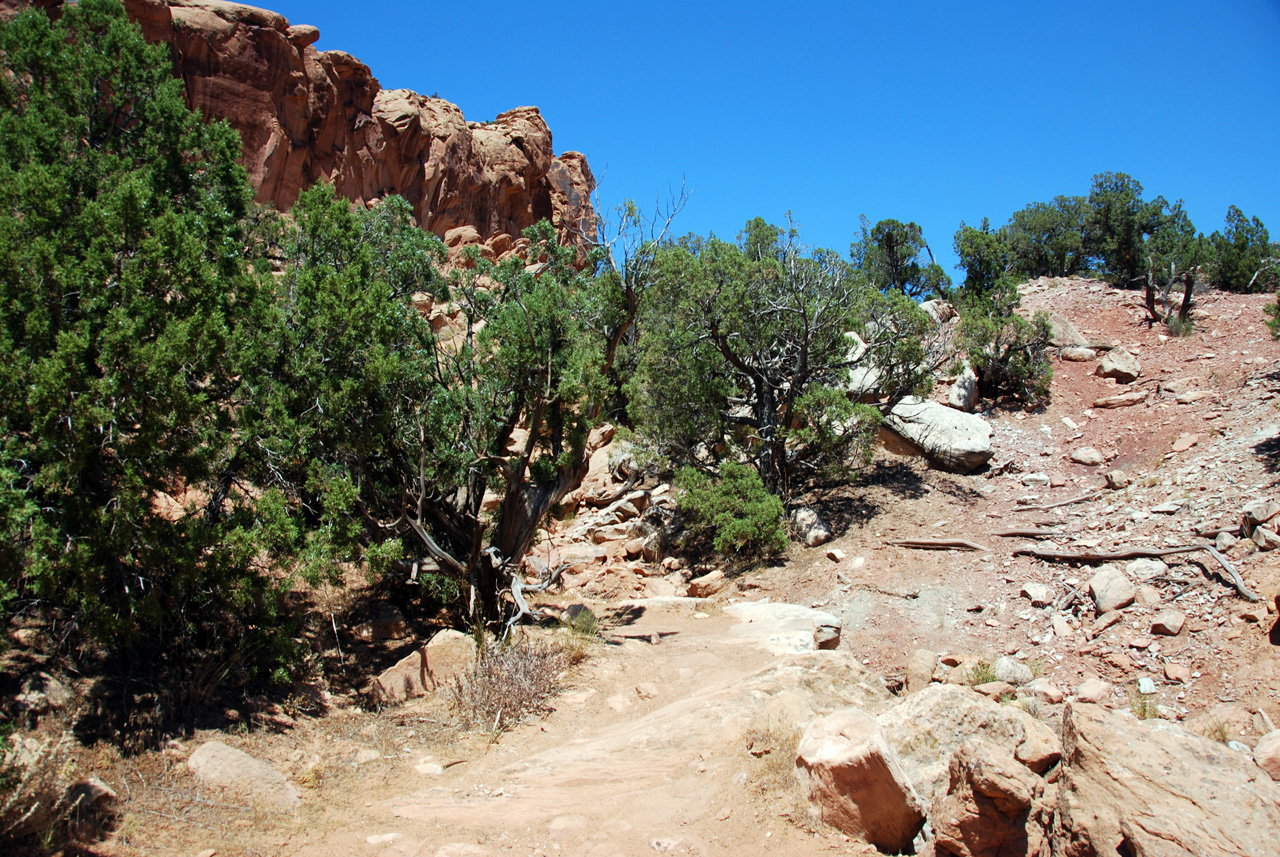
(935, 112)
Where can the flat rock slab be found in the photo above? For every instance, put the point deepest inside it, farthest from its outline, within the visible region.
(217, 765)
(779, 629)
(1123, 400)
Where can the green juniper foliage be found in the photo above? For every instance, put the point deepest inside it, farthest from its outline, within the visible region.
(733, 510)
(123, 300)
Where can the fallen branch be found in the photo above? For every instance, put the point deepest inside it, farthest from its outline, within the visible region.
(1133, 553)
(938, 544)
(1089, 496)
(1072, 596)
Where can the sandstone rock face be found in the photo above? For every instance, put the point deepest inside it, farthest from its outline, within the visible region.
(426, 669)
(215, 764)
(951, 440)
(1151, 787)
(925, 728)
(994, 806)
(854, 780)
(306, 115)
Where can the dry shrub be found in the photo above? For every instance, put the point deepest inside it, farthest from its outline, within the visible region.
(35, 787)
(773, 744)
(508, 682)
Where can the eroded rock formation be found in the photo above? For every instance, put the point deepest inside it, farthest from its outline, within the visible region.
(306, 115)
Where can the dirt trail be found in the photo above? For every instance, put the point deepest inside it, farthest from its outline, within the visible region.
(648, 753)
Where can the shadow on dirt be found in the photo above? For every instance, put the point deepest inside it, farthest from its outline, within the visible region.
(856, 503)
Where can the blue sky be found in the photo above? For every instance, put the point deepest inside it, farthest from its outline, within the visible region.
(935, 112)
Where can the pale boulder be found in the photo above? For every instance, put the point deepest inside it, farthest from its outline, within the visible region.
(1063, 334)
(925, 728)
(1088, 456)
(425, 669)
(1110, 589)
(951, 440)
(1267, 753)
(963, 395)
(854, 781)
(237, 773)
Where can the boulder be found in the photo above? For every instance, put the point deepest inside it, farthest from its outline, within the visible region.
(1266, 539)
(426, 669)
(707, 585)
(1088, 456)
(1077, 354)
(863, 384)
(1117, 479)
(1063, 334)
(1119, 363)
(855, 782)
(994, 806)
(42, 693)
(1168, 622)
(826, 637)
(216, 765)
(1267, 753)
(809, 527)
(1039, 594)
(1154, 788)
(963, 395)
(925, 728)
(1110, 589)
(1258, 512)
(951, 440)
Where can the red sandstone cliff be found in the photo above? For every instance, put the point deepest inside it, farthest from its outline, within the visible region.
(306, 115)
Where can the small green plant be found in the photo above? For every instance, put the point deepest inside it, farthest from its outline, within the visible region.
(734, 511)
(981, 672)
(1179, 327)
(1217, 730)
(1273, 317)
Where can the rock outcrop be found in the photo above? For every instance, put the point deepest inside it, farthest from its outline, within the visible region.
(306, 115)
(1152, 787)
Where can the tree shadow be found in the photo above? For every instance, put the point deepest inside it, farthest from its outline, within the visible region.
(1269, 451)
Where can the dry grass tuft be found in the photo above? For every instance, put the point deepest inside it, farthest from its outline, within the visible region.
(507, 683)
(35, 783)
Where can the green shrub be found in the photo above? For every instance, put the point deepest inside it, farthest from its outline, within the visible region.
(1273, 317)
(1008, 353)
(735, 511)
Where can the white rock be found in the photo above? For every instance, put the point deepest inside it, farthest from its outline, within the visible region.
(1088, 456)
(951, 440)
(215, 764)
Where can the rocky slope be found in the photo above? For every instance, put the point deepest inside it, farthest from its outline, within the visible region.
(306, 115)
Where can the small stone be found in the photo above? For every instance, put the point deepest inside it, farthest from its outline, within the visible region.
(1087, 456)
(1266, 539)
(826, 637)
(1035, 480)
(1095, 691)
(1178, 673)
(647, 690)
(1171, 507)
(1046, 691)
(1185, 441)
(383, 838)
(920, 669)
(1110, 589)
(1078, 354)
(429, 769)
(836, 555)
(1224, 541)
(1254, 613)
(1062, 628)
(813, 531)
(1146, 568)
(1146, 686)
(995, 689)
(1056, 481)
(1149, 596)
(1012, 670)
(1039, 594)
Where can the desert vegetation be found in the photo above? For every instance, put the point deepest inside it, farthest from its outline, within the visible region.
(208, 407)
